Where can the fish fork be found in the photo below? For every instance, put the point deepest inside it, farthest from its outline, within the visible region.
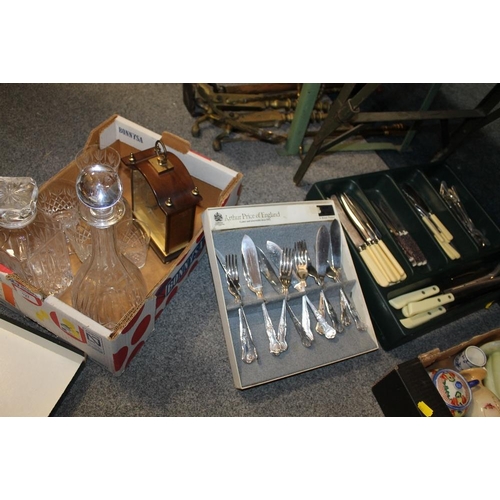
(281, 334)
(347, 305)
(285, 271)
(324, 303)
(301, 268)
(248, 349)
(302, 273)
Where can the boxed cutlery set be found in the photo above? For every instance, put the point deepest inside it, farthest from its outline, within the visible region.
(287, 289)
(107, 193)
(425, 251)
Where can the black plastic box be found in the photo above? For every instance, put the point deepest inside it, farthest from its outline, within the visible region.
(408, 391)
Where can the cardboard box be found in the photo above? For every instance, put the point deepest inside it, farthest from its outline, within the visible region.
(36, 370)
(408, 391)
(114, 350)
(284, 224)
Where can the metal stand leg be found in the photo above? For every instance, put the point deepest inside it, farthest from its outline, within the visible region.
(305, 105)
(343, 108)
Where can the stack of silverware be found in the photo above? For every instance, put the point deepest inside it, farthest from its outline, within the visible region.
(291, 268)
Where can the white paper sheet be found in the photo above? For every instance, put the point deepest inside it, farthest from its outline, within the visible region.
(34, 372)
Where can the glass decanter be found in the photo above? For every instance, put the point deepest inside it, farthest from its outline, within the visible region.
(107, 285)
(32, 244)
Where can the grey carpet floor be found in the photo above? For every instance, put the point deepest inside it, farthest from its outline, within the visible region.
(183, 369)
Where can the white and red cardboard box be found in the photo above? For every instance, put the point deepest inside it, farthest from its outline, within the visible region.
(114, 350)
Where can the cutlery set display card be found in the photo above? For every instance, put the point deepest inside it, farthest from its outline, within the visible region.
(281, 226)
(446, 246)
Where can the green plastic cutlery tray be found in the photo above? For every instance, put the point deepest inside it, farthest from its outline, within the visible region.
(440, 270)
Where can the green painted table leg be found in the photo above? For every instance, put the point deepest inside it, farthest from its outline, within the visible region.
(305, 106)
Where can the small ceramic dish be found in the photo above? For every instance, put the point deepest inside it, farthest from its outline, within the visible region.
(454, 390)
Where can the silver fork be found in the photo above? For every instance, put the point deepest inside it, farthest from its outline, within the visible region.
(324, 303)
(248, 349)
(281, 334)
(302, 273)
(301, 261)
(286, 268)
(347, 305)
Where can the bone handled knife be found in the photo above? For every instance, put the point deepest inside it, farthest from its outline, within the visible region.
(422, 318)
(402, 300)
(450, 295)
(441, 234)
(361, 246)
(384, 257)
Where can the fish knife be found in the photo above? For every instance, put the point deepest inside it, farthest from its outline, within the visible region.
(346, 305)
(322, 255)
(252, 275)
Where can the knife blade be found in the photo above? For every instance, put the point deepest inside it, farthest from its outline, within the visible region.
(268, 271)
(359, 244)
(249, 252)
(322, 251)
(252, 275)
(336, 244)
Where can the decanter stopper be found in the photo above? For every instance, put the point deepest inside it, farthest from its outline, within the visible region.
(100, 190)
